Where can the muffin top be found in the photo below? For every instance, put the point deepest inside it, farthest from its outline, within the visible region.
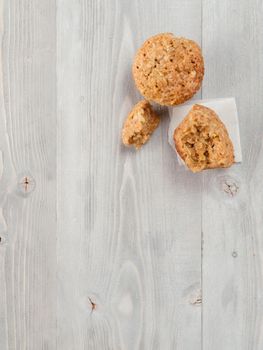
(168, 70)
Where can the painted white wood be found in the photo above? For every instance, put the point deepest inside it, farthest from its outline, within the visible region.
(101, 246)
(129, 237)
(233, 199)
(28, 181)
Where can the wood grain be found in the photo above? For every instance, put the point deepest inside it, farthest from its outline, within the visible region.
(232, 200)
(102, 247)
(28, 182)
(129, 235)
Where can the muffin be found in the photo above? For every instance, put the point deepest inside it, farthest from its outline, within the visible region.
(168, 70)
(202, 140)
(139, 125)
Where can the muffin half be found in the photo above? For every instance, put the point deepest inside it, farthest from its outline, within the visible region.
(202, 140)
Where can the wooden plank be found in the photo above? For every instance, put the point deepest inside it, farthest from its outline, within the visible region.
(232, 200)
(129, 235)
(28, 182)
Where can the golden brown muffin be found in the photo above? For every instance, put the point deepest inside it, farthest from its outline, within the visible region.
(168, 70)
(139, 125)
(202, 140)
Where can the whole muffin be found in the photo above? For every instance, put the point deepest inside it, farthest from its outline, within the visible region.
(202, 140)
(168, 70)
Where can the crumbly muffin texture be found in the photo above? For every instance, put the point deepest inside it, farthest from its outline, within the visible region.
(202, 140)
(139, 125)
(168, 70)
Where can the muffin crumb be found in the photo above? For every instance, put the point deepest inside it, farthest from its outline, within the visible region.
(139, 125)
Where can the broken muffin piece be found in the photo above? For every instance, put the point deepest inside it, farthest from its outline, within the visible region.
(139, 125)
(202, 140)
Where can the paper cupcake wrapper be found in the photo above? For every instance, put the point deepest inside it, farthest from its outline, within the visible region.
(225, 108)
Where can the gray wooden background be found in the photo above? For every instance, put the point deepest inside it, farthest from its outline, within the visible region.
(102, 247)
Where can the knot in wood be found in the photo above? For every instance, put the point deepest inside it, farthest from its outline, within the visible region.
(234, 254)
(228, 185)
(93, 305)
(3, 239)
(26, 184)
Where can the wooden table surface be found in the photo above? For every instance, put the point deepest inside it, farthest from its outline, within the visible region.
(102, 247)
